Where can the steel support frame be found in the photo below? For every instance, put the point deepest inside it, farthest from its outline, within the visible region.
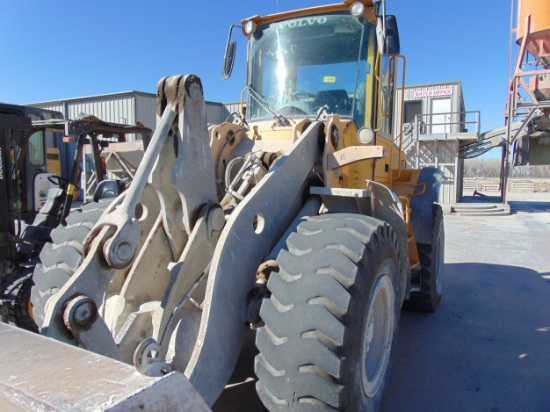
(512, 106)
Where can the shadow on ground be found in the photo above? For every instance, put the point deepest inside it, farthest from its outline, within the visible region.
(487, 348)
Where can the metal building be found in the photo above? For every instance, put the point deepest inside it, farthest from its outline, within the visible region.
(130, 108)
(126, 108)
(436, 126)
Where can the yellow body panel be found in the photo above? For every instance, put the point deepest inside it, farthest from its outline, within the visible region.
(355, 175)
(268, 130)
(406, 187)
(383, 167)
(53, 162)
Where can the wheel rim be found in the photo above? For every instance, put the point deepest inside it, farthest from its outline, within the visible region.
(378, 336)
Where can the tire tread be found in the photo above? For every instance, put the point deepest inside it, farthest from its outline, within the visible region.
(304, 362)
(61, 258)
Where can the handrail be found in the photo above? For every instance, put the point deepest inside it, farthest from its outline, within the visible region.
(379, 113)
(407, 213)
(402, 120)
(424, 119)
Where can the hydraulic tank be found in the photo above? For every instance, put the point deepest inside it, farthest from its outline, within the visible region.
(539, 39)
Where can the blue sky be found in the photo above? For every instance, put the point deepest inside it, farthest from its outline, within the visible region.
(66, 48)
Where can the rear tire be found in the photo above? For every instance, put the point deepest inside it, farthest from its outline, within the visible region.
(17, 293)
(432, 263)
(61, 259)
(332, 319)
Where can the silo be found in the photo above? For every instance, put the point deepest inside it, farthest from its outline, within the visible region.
(538, 42)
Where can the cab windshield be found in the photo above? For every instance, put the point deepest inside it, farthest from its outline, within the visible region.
(300, 66)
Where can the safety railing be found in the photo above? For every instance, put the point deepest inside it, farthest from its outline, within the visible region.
(440, 123)
(444, 123)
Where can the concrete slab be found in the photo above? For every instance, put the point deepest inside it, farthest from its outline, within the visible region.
(477, 209)
(487, 346)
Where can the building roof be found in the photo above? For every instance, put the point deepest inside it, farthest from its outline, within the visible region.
(104, 96)
(413, 86)
(97, 96)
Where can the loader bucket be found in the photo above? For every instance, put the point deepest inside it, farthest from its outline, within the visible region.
(39, 373)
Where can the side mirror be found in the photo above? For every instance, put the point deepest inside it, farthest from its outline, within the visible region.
(387, 35)
(229, 57)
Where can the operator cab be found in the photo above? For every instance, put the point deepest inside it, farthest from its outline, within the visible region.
(304, 64)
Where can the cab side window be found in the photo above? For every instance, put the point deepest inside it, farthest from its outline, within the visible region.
(36, 146)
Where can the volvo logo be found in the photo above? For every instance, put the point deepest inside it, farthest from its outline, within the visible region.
(309, 21)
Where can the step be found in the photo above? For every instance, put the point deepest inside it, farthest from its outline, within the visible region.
(475, 209)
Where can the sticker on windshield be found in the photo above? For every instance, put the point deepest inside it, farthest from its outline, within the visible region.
(329, 79)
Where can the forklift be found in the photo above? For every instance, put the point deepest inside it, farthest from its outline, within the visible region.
(34, 200)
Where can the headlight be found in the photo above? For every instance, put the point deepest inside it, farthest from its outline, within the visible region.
(250, 27)
(365, 135)
(357, 9)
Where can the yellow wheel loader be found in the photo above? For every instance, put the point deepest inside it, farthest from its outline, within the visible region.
(298, 219)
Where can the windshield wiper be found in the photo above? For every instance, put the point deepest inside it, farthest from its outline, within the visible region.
(279, 118)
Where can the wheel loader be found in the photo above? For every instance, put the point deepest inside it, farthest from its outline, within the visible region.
(297, 218)
(35, 200)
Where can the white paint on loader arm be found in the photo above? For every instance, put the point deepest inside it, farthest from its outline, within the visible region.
(42, 374)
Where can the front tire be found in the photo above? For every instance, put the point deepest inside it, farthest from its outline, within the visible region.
(332, 319)
(61, 259)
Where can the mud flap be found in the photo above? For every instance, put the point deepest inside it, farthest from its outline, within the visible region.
(422, 206)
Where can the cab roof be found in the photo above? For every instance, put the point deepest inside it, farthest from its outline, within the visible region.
(369, 14)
